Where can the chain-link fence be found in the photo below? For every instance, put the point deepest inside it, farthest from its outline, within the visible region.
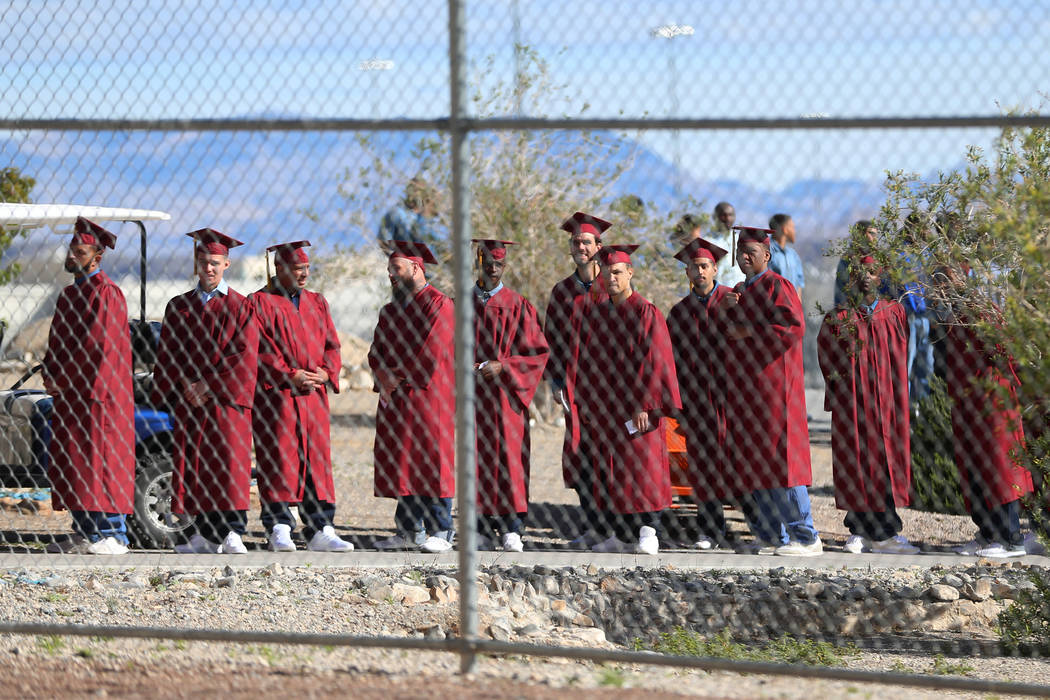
(654, 287)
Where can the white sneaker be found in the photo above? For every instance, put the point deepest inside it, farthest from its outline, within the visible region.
(795, 548)
(856, 545)
(281, 539)
(74, 544)
(325, 540)
(232, 545)
(997, 550)
(512, 542)
(705, 543)
(613, 545)
(436, 545)
(197, 545)
(107, 545)
(648, 542)
(586, 540)
(969, 549)
(759, 547)
(1033, 545)
(897, 544)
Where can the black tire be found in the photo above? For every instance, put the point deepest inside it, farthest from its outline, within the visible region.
(153, 525)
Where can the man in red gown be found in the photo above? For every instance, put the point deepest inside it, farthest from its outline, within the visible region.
(863, 353)
(986, 424)
(207, 361)
(768, 438)
(569, 302)
(700, 356)
(87, 369)
(626, 385)
(299, 364)
(412, 359)
(510, 353)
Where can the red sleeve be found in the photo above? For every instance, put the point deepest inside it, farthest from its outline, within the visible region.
(273, 370)
(555, 328)
(333, 359)
(168, 375)
(659, 380)
(523, 367)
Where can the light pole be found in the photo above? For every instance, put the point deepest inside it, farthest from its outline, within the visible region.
(670, 32)
(375, 66)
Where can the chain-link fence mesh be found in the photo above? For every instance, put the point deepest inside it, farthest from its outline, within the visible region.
(701, 340)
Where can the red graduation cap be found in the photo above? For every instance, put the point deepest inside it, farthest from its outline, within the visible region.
(751, 234)
(290, 253)
(213, 242)
(585, 223)
(87, 232)
(496, 248)
(412, 250)
(620, 253)
(699, 248)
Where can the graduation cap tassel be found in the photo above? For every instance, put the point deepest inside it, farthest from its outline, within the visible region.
(269, 278)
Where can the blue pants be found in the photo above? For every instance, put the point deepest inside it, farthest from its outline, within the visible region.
(920, 357)
(780, 515)
(418, 516)
(96, 525)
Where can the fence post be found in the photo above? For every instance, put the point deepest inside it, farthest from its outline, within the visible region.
(466, 499)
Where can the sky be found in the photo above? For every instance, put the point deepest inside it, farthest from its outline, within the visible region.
(388, 59)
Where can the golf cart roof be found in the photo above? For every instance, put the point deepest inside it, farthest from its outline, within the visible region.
(34, 215)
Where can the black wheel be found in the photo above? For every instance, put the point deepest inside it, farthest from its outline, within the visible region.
(153, 525)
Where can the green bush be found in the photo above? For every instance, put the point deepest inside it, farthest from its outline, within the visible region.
(785, 649)
(934, 476)
(1027, 620)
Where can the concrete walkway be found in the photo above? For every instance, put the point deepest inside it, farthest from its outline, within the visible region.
(382, 560)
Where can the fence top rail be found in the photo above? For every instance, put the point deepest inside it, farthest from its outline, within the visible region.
(527, 123)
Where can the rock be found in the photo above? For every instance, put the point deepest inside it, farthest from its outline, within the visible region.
(273, 569)
(942, 592)
(444, 594)
(409, 595)
(432, 631)
(583, 620)
(813, 589)
(529, 630)
(93, 584)
(378, 590)
(225, 582)
(977, 591)
(952, 580)
(587, 635)
(500, 630)
(1003, 590)
(558, 605)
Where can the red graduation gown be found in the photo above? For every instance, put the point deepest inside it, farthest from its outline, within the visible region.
(415, 431)
(767, 434)
(217, 343)
(626, 365)
(291, 429)
(566, 310)
(92, 451)
(506, 329)
(986, 423)
(699, 358)
(864, 358)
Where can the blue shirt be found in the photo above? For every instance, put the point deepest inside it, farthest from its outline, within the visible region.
(222, 288)
(486, 295)
(786, 263)
(707, 297)
(403, 224)
(85, 278)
